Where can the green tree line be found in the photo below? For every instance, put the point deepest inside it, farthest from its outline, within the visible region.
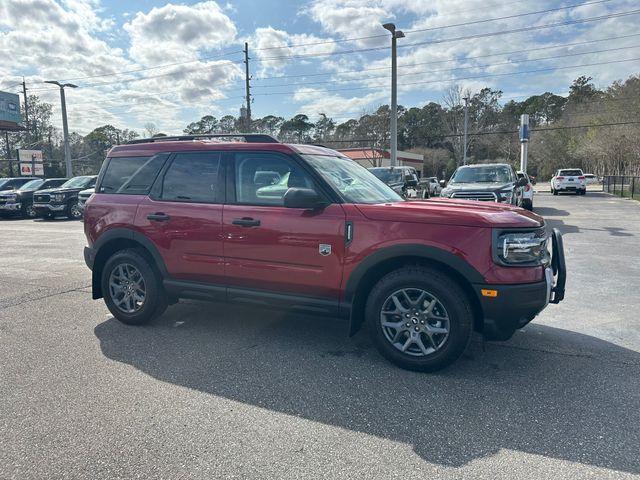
(589, 128)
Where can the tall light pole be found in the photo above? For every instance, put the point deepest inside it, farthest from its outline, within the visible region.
(65, 127)
(466, 126)
(395, 34)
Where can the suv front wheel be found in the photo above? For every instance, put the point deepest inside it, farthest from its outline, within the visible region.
(132, 289)
(419, 318)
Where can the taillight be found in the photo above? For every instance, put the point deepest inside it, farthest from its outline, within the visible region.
(580, 178)
(559, 178)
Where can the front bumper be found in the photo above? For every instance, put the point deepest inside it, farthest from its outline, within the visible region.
(513, 306)
(11, 207)
(47, 207)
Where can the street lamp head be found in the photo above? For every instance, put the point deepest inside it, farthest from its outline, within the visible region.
(399, 34)
(53, 82)
(389, 26)
(70, 85)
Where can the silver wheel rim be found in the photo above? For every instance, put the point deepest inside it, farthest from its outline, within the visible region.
(415, 322)
(127, 288)
(31, 211)
(75, 211)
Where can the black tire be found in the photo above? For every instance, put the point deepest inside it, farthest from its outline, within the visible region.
(155, 300)
(447, 292)
(583, 192)
(73, 211)
(28, 211)
(555, 192)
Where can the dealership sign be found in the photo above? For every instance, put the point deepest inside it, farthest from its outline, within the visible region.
(31, 162)
(10, 109)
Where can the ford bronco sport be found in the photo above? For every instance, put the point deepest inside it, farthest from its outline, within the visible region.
(199, 217)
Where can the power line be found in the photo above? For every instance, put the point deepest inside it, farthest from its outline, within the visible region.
(454, 69)
(451, 80)
(467, 37)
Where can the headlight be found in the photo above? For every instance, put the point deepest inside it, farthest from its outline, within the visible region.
(58, 197)
(517, 248)
(505, 196)
(11, 198)
(446, 192)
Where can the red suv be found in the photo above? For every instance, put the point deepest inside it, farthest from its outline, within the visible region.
(305, 228)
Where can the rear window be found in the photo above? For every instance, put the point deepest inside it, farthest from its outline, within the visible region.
(571, 173)
(131, 175)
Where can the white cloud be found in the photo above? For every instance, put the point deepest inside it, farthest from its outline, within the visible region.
(178, 31)
(314, 101)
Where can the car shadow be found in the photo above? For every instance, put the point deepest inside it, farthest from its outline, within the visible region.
(551, 212)
(547, 392)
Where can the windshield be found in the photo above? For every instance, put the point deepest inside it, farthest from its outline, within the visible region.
(387, 175)
(482, 174)
(355, 183)
(32, 185)
(77, 182)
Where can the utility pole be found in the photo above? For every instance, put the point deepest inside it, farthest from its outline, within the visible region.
(65, 127)
(524, 141)
(466, 126)
(247, 86)
(6, 139)
(26, 110)
(395, 34)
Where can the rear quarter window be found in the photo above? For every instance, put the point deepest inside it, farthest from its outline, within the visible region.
(131, 175)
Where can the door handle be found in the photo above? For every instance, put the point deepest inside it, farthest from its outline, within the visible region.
(246, 222)
(158, 217)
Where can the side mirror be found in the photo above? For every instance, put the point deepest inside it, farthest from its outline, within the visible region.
(410, 181)
(443, 183)
(522, 182)
(303, 198)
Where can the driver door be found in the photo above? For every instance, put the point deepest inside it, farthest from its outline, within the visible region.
(271, 248)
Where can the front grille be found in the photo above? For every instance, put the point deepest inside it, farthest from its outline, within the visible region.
(479, 196)
(41, 198)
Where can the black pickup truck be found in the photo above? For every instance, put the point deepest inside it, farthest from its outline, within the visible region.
(19, 202)
(64, 199)
(402, 179)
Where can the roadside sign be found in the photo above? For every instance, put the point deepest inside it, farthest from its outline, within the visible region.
(10, 109)
(27, 170)
(30, 162)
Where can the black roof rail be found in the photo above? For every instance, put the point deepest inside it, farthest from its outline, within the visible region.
(248, 138)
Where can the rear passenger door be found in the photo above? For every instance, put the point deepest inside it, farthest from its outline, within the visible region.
(183, 217)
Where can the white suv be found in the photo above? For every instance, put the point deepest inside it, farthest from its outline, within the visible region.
(569, 180)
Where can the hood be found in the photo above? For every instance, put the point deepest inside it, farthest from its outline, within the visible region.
(479, 187)
(59, 190)
(443, 211)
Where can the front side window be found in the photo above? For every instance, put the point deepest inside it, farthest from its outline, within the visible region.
(131, 175)
(192, 177)
(264, 178)
(353, 182)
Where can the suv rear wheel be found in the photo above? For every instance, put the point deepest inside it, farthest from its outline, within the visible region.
(419, 318)
(132, 289)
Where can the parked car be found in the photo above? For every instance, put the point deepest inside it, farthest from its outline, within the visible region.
(527, 192)
(591, 179)
(569, 180)
(11, 183)
(64, 199)
(495, 182)
(432, 185)
(20, 201)
(83, 196)
(181, 218)
(403, 180)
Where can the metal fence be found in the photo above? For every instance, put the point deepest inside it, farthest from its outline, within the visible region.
(622, 185)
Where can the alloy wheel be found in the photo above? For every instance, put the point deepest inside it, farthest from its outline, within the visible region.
(127, 288)
(415, 322)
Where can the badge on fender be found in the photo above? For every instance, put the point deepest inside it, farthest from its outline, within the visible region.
(324, 249)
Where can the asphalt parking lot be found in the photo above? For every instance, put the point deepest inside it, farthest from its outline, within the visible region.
(216, 391)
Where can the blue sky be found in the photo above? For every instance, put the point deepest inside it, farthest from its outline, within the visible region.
(140, 62)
